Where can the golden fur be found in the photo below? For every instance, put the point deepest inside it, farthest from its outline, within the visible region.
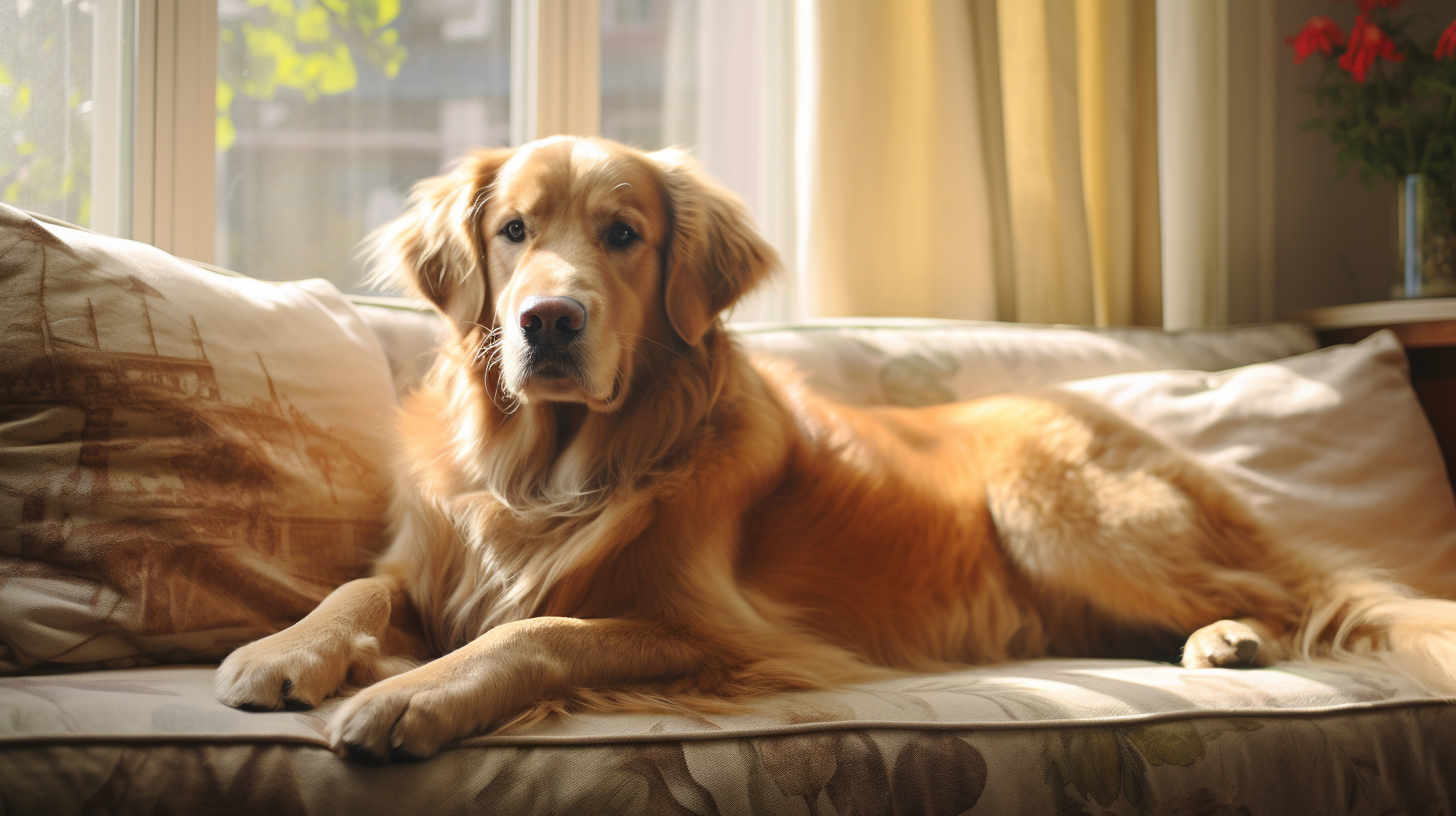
(670, 523)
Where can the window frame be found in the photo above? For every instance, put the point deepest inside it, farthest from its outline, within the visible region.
(555, 75)
(174, 175)
(171, 113)
(556, 49)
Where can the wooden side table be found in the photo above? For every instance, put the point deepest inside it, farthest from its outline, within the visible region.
(1427, 329)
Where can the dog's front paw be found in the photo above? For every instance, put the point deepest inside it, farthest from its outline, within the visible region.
(287, 670)
(1225, 644)
(411, 716)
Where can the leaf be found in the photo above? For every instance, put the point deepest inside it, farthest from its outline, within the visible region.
(1134, 774)
(312, 25)
(224, 94)
(227, 133)
(861, 784)
(671, 788)
(338, 74)
(938, 774)
(387, 12)
(1170, 743)
(1096, 764)
(20, 105)
(799, 764)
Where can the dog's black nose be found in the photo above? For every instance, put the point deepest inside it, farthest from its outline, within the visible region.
(552, 321)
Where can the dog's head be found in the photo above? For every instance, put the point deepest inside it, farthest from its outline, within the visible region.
(570, 261)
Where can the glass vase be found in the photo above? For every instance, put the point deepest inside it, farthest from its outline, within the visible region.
(1426, 238)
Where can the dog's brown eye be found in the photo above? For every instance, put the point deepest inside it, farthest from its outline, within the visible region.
(516, 231)
(621, 235)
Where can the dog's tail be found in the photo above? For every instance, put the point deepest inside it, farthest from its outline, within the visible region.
(1363, 616)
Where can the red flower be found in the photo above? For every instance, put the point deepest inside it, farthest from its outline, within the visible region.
(1367, 5)
(1319, 34)
(1367, 42)
(1447, 45)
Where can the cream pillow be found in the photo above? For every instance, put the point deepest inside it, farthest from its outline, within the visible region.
(911, 363)
(1331, 446)
(188, 460)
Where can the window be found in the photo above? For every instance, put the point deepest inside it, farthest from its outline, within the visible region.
(715, 77)
(328, 112)
(64, 101)
(270, 136)
(649, 72)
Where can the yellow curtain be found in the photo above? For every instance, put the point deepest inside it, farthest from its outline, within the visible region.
(894, 215)
(1010, 148)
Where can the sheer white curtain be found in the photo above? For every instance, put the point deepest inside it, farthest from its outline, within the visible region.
(1216, 143)
(728, 92)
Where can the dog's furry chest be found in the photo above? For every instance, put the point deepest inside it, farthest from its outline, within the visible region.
(504, 564)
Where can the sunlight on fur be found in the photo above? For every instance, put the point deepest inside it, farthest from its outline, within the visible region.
(600, 503)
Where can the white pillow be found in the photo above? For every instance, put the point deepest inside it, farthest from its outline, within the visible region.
(1330, 446)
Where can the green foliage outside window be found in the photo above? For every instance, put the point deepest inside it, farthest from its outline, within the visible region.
(45, 108)
(310, 47)
(307, 46)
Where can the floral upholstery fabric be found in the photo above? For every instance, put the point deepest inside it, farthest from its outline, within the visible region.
(1053, 736)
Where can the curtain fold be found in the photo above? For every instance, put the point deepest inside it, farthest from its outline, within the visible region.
(1117, 79)
(980, 159)
(1193, 126)
(894, 215)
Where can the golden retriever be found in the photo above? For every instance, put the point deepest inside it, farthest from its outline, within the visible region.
(601, 502)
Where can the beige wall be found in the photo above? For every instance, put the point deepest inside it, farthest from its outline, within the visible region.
(1335, 237)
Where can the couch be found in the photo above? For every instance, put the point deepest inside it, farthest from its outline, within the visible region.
(190, 459)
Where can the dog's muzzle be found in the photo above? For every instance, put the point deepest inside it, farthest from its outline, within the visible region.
(551, 327)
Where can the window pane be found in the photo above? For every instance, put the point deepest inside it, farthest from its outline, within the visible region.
(328, 112)
(63, 76)
(650, 72)
(715, 78)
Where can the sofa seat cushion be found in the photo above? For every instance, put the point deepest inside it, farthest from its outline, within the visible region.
(1036, 736)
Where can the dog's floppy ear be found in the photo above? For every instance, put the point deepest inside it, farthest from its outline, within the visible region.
(714, 254)
(435, 249)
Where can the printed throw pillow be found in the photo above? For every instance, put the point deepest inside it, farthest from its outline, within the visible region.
(188, 460)
(1331, 446)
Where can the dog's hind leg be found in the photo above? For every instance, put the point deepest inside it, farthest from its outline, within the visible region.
(1105, 518)
(1115, 531)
